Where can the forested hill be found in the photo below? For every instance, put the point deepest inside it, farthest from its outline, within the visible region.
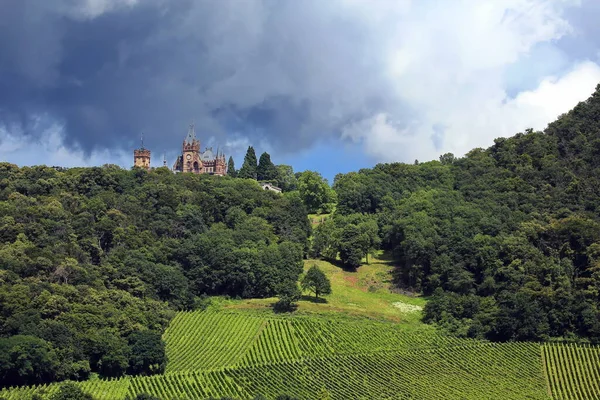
(94, 261)
(506, 239)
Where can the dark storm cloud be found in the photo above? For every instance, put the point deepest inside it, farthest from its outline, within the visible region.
(269, 70)
(387, 75)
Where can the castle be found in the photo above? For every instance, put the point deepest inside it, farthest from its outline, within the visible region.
(191, 158)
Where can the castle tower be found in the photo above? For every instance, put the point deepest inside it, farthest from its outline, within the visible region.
(191, 152)
(141, 157)
(220, 164)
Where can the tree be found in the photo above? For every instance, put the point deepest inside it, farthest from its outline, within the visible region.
(231, 168)
(26, 360)
(287, 178)
(316, 281)
(325, 242)
(353, 245)
(266, 170)
(315, 191)
(249, 167)
(370, 236)
(447, 158)
(147, 353)
(288, 294)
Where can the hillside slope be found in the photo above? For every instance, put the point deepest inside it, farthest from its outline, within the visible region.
(506, 240)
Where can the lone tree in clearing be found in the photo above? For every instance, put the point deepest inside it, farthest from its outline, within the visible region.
(288, 294)
(316, 281)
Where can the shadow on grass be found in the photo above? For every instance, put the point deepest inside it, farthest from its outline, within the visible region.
(313, 299)
(284, 308)
(387, 257)
(402, 285)
(340, 265)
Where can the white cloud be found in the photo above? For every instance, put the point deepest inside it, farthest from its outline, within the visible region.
(49, 149)
(464, 129)
(447, 66)
(90, 9)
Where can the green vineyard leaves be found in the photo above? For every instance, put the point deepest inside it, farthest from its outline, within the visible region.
(240, 354)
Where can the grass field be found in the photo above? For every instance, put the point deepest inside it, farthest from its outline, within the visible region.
(364, 292)
(365, 342)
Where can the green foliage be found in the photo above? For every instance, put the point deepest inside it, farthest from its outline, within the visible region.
(70, 391)
(352, 245)
(27, 359)
(315, 191)
(94, 262)
(572, 371)
(475, 371)
(314, 357)
(288, 293)
(353, 237)
(249, 167)
(316, 281)
(231, 171)
(506, 239)
(266, 170)
(147, 353)
(287, 179)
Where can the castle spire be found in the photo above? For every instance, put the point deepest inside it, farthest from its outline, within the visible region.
(191, 136)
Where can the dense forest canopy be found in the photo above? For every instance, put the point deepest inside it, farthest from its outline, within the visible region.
(505, 240)
(94, 261)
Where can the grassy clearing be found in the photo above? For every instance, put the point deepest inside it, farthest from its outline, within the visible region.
(364, 292)
(316, 219)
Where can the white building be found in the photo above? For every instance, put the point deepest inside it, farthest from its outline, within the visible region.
(268, 186)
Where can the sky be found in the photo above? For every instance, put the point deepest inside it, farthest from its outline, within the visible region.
(333, 86)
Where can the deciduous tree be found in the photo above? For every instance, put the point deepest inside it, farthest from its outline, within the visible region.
(316, 281)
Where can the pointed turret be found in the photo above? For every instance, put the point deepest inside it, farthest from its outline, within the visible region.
(191, 136)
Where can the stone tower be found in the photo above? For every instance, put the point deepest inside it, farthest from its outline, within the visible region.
(220, 164)
(191, 152)
(141, 157)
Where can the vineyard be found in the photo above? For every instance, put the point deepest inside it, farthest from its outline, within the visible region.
(207, 340)
(241, 354)
(474, 371)
(573, 371)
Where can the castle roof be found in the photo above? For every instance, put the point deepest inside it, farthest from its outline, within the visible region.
(191, 136)
(208, 154)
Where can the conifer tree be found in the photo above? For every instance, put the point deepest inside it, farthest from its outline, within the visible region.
(266, 170)
(231, 168)
(249, 167)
